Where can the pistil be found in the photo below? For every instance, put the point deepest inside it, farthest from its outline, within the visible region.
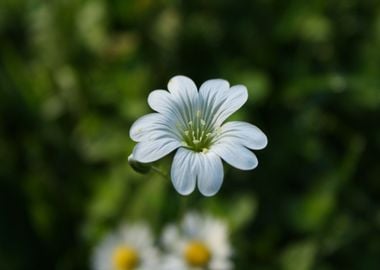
(197, 135)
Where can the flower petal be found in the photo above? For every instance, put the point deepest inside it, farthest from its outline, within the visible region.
(185, 96)
(236, 97)
(221, 264)
(210, 174)
(236, 155)
(184, 171)
(149, 151)
(182, 86)
(153, 126)
(213, 90)
(170, 237)
(243, 133)
(160, 101)
(212, 94)
(163, 102)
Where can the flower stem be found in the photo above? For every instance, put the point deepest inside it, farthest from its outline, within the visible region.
(159, 171)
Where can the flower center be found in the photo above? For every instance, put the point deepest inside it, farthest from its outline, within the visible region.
(197, 134)
(197, 254)
(125, 258)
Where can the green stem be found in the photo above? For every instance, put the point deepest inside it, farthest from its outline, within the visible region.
(160, 172)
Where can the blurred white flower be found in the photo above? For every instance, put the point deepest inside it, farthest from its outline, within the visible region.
(192, 121)
(200, 242)
(130, 248)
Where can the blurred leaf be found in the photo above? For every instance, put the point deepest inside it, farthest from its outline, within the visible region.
(99, 139)
(241, 211)
(257, 83)
(312, 212)
(149, 198)
(299, 256)
(107, 202)
(91, 24)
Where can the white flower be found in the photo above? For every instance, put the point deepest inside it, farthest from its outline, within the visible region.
(200, 242)
(192, 122)
(130, 248)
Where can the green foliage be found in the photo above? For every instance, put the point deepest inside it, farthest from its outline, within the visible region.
(74, 75)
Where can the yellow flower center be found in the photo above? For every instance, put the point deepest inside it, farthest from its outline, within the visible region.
(197, 254)
(197, 134)
(125, 258)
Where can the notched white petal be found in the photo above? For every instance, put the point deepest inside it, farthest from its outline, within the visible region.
(243, 133)
(236, 97)
(150, 151)
(153, 126)
(184, 171)
(236, 155)
(143, 125)
(182, 85)
(214, 86)
(210, 173)
(160, 101)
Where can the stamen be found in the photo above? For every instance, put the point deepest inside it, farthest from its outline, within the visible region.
(197, 135)
(203, 132)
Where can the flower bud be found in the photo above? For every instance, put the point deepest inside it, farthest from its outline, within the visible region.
(138, 166)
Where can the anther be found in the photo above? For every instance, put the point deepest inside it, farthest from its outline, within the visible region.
(202, 133)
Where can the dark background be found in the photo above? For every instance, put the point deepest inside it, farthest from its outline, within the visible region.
(74, 75)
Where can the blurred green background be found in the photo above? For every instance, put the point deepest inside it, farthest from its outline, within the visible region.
(74, 75)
